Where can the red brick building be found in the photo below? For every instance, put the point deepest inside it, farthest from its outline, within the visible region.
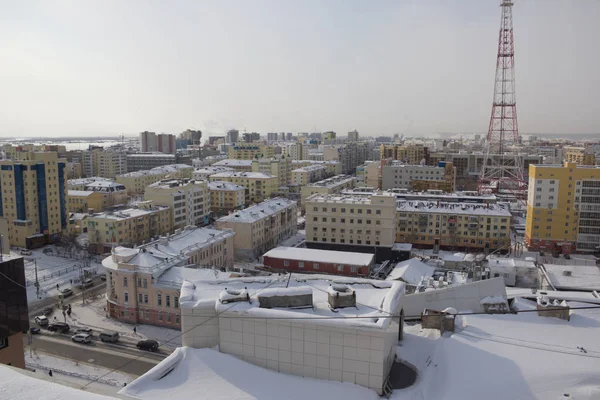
(319, 261)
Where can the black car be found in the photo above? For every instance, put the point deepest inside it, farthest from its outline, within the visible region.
(149, 345)
(567, 257)
(47, 311)
(59, 327)
(34, 330)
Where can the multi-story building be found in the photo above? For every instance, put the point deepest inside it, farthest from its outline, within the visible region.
(279, 166)
(128, 227)
(206, 172)
(292, 150)
(353, 136)
(399, 175)
(96, 197)
(579, 155)
(468, 165)
(453, 226)
(237, 165)
(188, 199)
(189, 137)
(208, 161)
(108, 163)
(409, 154)
(372, 174)
(248, 151)
(261, 227)
(310, 174)
(439, 195)
(563, 208)
(33, 198)
(14, 314)
(233, 136)
(226, 197)
(365, 224)
(350, 155)
(251, 137)
(73, 170)
(258, 186)
(335, 184)
(143, 284)
(81, 183)
(136, 182)
(272, 137)
(166, 143)
(148, 142)
(333, 167)
(143, 161)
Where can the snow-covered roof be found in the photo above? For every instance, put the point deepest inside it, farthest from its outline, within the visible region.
(573, 277)
(233, 162)
(259, 211)
(411, 271)
(378, 298)
(86, 181)
(212, 170)
(333, 181)
(208, 374)
(129, 213)
(164, 169)
(310, 168)
(21, 384)
(492, 210)
(250, 175)
(79, 193)
(325, 256)
(225, 186)
(151, 155)
(176, 275)
(402, 247)
(509, 263)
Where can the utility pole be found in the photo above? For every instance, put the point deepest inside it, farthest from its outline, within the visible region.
(37, 282)
(82, 284)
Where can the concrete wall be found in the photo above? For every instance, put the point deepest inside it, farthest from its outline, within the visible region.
(200, 326)
(460, 297)
(13, 353)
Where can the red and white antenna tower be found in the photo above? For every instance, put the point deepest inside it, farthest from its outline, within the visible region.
(502, 170)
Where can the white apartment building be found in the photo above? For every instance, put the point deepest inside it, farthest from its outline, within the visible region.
(261, 227)
(189, 200)
(335, 184)
(205, 172)
(399, 175)
(309, 174)
(142, 161)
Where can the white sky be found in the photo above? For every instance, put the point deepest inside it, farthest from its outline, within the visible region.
(107, 67)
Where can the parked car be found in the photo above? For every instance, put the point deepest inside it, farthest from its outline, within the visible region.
(81, 338)
(26, 252)
(61, 327)
(111, 337)
(568, 257)
(149, 345)
(87, 283)
(65, 293)
(103, 277)
(41, 320)
(84, 329)
(541, 253)
(47, 311)
(47, 250)
(34, 330)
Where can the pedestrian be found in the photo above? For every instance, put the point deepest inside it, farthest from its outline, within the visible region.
(134, 330)
(50, 372)
(57, 286)
(71, 281)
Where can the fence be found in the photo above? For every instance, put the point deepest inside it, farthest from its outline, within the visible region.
(62, 272)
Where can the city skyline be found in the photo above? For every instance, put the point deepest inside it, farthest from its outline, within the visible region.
(388, 67)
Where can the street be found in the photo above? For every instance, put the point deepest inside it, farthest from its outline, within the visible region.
(35, 308)
(105, 355)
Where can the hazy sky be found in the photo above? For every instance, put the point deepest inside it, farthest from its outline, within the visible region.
(415, 67)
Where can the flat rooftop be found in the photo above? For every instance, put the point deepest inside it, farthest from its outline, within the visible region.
(164, 169)
(228, 162)
(224, 186)
(333, 181)
(492, 210)
(128, 213)
(259, 211)
(249, 175)
(325, 256)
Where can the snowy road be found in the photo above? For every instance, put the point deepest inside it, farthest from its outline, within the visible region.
(96, 353)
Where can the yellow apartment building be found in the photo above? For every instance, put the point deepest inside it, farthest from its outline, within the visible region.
(309, 174)
(333, 167)
(236, 165)
(96, 196)
(258, 186)
(409, 154)
(33, 197)
(563, 208)
(249, 151)
(279, 166)
(128, 227)
(579, 155)
(226, 197)
(335, 184)
(188, 199)
(136, 182)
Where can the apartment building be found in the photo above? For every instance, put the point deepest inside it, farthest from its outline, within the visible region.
(353, 136)
(128, 227)
(136, 182)
(226, 197)
(151, 142)
(81, 183)
(335, 184)
(468, 165)
(563, 208)
(292, 150)
(396, 174)
(364, 224)
(261, 227)
(237, 165)
(579, 155)
(96, 195)
(350, 155)
(73, 170)
(259, 186)
(249, 151)
(188, 200)
(144, 161)
(33, 198)
(369, 174)
(309, 174)
(453, 226)
(14, 313)
(333, 167)
(108, 163)
(143, 284)
(279, 166)
(409, 154)
(206, 172)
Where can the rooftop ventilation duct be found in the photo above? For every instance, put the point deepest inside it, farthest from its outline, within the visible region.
(233, 296)
(296, 297)
(341, 296)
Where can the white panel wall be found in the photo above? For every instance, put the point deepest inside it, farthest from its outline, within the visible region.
(200, 327)
(362, 357)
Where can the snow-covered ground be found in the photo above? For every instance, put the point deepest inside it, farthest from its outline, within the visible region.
(78, 373)
(299, 237)
(93, 315)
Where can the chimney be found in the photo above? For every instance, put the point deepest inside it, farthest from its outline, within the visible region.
(341, 296)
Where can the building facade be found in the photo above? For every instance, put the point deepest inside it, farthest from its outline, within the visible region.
(237, 165)
(14, 313)
(579, 155)
(409, 154)
(281, 167)
(333, 167)
(144, 161)
(258, 186)
(97, 196)
(34, 198)
(563, 208)
(249, 151)
(309, 174)
(261, 227)
(399, 175)
(188, 200)
(226, 197)
(143, 285)
(206, 172)
(136, 182)
(335, 184)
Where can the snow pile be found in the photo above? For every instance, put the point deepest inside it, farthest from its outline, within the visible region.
(207, 374)
(411, 271)
(289, 291)
(493, 300)
(227, 295)
(340, 290)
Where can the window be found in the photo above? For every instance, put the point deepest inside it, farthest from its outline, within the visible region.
(301, 264)
(353, 269)
(176, 301)
(286, 263)
(159, 299)
(324, 209)
(177, 319)
(333, 209)
(125, 282)
(140, 297)
(145, 283)
(126, 297)
(378, 212)
(160, 315)
(368, 211)
(139, 282)
(343, 210)
(315, 266)
(146, 298)
(168, 301)
(340, 268)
